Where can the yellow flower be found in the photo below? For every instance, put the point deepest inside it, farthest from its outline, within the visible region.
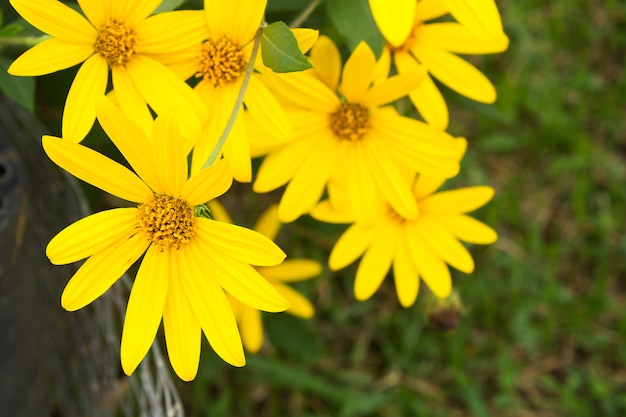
(343, 133)
(219, 61)
(189, 260)
(419, 247)
(415, 43)
(291, 270)
(115, 35)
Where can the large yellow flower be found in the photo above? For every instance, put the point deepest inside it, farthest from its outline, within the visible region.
(115, 35)
(343, 133)
(219, 61)
(188, 258)
(415, 43)
(419, 247)
(291, 270)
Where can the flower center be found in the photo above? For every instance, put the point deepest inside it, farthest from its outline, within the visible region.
(350, 121)
(116, 42)
(167, 221)
(410, 41)
(220, 62)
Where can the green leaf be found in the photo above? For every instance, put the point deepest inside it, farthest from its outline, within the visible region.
(354, 22)
(168, 5)
(11, 30)
(20, 89)
(292, 335)
(280, 51)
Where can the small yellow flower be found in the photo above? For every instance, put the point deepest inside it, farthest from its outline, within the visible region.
(119, 36)
(291, 270)
(343, 132)
(415, 43)
(219, 61)
(414, 248)
(189, 260)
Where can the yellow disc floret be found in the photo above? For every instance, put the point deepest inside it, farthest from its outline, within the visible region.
(220, 61)
(167, 221)
(116, 42)
(350, 121)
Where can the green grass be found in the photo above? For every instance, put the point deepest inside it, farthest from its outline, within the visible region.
(543, 326)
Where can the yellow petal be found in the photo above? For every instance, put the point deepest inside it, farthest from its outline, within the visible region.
(96, 11)
(101, 271)
(446, 246)
(240, 279)
(280, 166)
(394, 88)
(129, 139)
(182, 329)
(164, 91)
(261, 141)
(304, 90)
(433, 270)
(393, 183)
(425, 185)
(50, 56)
(96, 169)
(307, 185)
(145, 307)
(169, 32)
(300, 306)
(430, 9)
(364, 196)
(481, 16)
(210, 305)
(456, 73)
(468, 229)
(305, 37)
(458, 201)
(88, 86)
(426, 97)
(375, 264)
(383, 66)
(239, 243)
(237, 151)
(237, 20)
(351, 244)
(264, 107)
(91, 235)
(251, 328)
(405, 275)
(130, 100)
(218, 212)
(458, 38)
(208, 184)
(326, 61)
(395, 20)
(292, 270)
(133, 12)
(268, 224)
(57, 20)
(358, 73)
(169, 158)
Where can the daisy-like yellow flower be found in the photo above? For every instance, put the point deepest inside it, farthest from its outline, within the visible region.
(189, 260)
(419, 247)
(415, 43)
(344, 132)
(291, 270)
(219, 61)
(115, 35)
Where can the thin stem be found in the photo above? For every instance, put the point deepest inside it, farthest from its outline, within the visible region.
(25, 40)
(242, 92)
(305, 14)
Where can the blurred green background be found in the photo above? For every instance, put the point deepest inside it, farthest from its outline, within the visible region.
(542, 328)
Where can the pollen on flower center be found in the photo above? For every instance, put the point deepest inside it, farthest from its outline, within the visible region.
(116, 42)
(167, 221)
(350, 121)
(220, 61)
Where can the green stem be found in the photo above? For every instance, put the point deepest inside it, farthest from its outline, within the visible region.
(25, 40)
(242, 92)
(305, 14)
